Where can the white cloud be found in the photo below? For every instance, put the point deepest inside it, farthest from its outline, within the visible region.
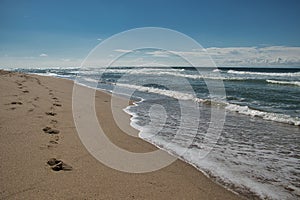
(248, 56)
(255, 56)
(237, 56)
(191, 53)
(43, 55)
(123, 50)
(159, 53)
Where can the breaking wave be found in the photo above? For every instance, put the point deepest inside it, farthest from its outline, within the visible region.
(277, 117)
(296, 83)
(287, 74)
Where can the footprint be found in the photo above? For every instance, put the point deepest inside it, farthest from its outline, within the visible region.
(49, 130)
(57, 104)
(53, 121)
(58, 165)
(51, 113)
(36, 98)
(25, 91)
(53, 142)
(16, 103)
(38, 81)
(48, 146)
(54, 139)
(30, 110)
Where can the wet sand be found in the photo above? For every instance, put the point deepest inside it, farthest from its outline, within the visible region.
(42, 156)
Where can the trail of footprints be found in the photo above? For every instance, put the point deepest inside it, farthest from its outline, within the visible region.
(54, 164)
(18, 102)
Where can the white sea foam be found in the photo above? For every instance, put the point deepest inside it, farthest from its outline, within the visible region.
(288, 74)
(265, 115)
(138, 70)
(169, 72)
(227, 177)
(191, 76)
(296, 83)
(217, 70)
(169, 93)
(90, 80)
(207, 165)
(47, 74)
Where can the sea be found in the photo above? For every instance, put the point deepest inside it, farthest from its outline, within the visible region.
(256, 154)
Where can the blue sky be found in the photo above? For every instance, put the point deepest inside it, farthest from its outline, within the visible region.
(55, 32)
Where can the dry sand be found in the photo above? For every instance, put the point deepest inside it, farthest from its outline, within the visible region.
(30, 104)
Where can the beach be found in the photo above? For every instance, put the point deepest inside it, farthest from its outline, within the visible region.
(36, 124)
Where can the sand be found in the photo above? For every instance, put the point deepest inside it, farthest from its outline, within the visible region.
(42, 156)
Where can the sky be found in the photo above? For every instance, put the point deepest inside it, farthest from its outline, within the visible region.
(37, 33)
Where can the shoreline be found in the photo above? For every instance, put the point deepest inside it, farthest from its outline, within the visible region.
(25, 173)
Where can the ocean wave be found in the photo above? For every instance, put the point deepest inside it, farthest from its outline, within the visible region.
(141, 70)
(296, 83)
(217, 70)
(159, 72)
(89, 79)
(265, 115)
(191, 76)
(46, 74)
(277, 117)
(169, 93)
(287, 74)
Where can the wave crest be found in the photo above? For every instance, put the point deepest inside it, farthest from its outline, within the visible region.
(265, 115)
(288, 74)
(296, 83)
